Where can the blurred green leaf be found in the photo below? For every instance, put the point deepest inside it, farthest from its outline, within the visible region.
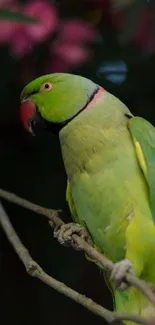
(16, 16)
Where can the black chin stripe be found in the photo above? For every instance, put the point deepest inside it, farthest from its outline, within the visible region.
(56, 127)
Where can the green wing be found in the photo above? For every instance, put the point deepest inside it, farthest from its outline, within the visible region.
(74, 214)
(71, 203)
(143, 134)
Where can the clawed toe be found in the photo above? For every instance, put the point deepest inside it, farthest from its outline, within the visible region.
(119, 272)
(64, 234)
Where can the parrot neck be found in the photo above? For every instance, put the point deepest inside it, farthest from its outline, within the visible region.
(94, 100)
(55, 128)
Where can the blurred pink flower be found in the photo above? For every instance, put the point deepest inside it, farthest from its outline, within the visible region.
(72, 53)
(7, 28)
(69, 50)
(20, 43)
(66, 56)
(66, 52)
(76, 32)
(5, 3)
(47, 16)
(21, 36)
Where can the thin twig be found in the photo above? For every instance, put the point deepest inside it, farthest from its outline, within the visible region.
(52, 215)
(36, 271)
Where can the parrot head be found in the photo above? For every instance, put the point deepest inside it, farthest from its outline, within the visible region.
(51, 101)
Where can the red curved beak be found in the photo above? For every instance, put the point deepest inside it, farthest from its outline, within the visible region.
(26, 113)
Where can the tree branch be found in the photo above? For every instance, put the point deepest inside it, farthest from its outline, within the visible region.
(51, 214)
(35, 270)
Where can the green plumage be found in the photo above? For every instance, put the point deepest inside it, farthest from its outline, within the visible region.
(109, 158)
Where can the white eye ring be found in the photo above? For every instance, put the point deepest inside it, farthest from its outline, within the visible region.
(46, 86)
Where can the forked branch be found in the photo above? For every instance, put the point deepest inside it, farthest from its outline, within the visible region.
(35, 270)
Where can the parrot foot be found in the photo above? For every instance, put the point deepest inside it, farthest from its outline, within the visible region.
(65, 232)
(119, 271)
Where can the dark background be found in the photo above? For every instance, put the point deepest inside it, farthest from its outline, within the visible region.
(33, 168)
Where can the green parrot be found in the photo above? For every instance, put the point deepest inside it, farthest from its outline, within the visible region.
(109, 157)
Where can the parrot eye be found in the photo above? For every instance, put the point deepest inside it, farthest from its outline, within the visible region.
(46, 86)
